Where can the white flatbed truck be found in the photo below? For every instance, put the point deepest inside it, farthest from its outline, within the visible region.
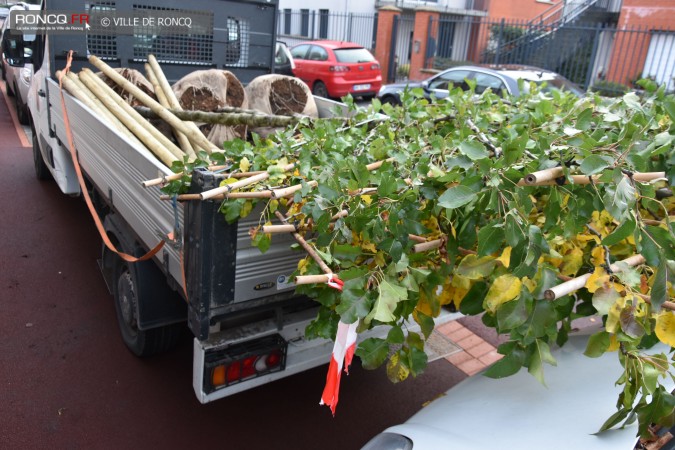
(248, 325)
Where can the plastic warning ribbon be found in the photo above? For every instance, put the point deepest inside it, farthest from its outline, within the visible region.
(343, 353)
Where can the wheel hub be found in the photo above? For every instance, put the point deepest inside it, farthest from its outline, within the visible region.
(127, 300)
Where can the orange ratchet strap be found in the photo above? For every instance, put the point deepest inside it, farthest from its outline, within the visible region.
(83, 187)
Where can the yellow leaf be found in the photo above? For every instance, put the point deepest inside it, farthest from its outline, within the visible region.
(598, 279)
(613, 323)
(598, 256)
(395, 370)
(461, 282)
(505, 258)
(504, 289)
(531, 285)
(244, 164)
(572, 262)
(246, 209)
(613, 344)
(368, 199)
(665, 328)
(302, 266)
(227, 181)
(379, 259)
(369, 246)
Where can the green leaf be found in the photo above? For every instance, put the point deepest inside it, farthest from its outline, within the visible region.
(614, 420)
(620, 199)
(659, 292)
(456, 196)
(474, 150)
(425, 322)
(508, 365)
(541, 353)
(373, 352)
(511, 315)
(390, 293)
(621, 232)
(396, 335)
(472, 303)
(355, 302)
(595, 164)
(597, 344)
(490, 239)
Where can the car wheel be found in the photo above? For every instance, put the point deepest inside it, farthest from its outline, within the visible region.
(320, 89)
(392, 100)
(129, 288)
(21, 109)
(367, 98)
(41, 170)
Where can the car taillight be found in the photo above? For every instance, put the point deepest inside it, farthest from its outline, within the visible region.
(375, 66)
(244, 361)
(339, 68)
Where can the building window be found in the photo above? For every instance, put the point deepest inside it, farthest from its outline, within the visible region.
(323, 23)
(287, 21)
(304, 22)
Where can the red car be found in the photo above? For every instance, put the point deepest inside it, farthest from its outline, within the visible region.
(335, 69)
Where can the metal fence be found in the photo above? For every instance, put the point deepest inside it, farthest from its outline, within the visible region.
(599, 56)
(302, 25)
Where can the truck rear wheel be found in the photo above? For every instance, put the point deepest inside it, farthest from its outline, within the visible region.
(129, 288)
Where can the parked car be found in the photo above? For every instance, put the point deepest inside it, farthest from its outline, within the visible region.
(335, 69)
(18, 78)
(517, 412)
(501, 79)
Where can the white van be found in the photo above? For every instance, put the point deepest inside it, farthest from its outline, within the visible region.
(18, 77)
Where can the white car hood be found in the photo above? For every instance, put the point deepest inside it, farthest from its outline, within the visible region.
(517, 412)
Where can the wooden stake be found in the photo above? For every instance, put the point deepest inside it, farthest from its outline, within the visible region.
(577, 283)
(137, 128)
(312, 279)
(643, 177)
(80, 91)
(253, 119)
(170, 95)
(240, 184)
(106, 94)
(164, 101)
(161, 111)
(543, 175)
(276, 229)
(177, 176)
(290, 191)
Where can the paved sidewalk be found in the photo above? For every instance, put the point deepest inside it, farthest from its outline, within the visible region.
(476, 353)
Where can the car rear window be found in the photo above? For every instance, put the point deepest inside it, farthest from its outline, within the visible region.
(353, 55)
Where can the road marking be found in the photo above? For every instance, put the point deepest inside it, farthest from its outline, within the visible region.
(23, 138)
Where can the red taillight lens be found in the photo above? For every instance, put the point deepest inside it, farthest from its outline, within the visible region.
(339, 69)
(244, 361)
(273, 359)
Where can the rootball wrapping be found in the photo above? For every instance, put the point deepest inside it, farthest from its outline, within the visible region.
(280, 95)
(210, 90)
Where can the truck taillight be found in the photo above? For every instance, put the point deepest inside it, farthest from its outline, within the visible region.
(244, 361)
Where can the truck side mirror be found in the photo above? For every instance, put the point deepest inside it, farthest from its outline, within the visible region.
(13, 47)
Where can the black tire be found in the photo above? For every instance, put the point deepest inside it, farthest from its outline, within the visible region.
(391, 100)
(128, 288)
(10, 92)
(21, 109)
(320, 89)
(368, 97)
(41, 170)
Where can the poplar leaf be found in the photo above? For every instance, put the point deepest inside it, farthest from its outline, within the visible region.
(665, 328)
(594, 164)
(390, 295)
(541, 353)
(660, 287)
(474, 150)
(504, 289)
(604, 298)
(456, 196)
(475, 268)
(572, 262)
(396, 370)
(244, 164)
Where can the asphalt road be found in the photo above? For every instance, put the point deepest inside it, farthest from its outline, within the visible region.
(68, 381)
